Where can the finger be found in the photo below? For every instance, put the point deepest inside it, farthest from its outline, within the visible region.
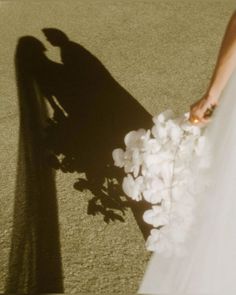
(198, 114)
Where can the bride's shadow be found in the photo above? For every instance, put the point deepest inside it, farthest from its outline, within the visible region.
(92, 114)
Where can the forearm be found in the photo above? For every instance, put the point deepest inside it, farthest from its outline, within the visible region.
(226, 60)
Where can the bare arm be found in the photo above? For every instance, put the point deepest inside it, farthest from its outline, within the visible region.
(226, 63)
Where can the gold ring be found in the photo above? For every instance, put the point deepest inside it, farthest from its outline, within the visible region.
(195, 120)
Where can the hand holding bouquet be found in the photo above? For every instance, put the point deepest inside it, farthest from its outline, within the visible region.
(201, 110)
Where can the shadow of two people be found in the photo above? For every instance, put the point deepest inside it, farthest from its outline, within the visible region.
(92, 114)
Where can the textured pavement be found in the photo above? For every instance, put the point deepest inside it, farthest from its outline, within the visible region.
(64, 224)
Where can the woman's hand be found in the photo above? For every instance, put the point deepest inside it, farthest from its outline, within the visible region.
(201, 110)
(225, 64)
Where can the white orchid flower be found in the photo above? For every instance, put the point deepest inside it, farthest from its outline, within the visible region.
(151, 170)
(175, 132)
(146, 136)
(153, 188)
(132, 160)
(152, 159)
(186, 147)
(128, 164)
(133, 138)
(133, 187)
(152, 196)
(163, 116)
(154, 182)
(159, 242)
(152, 146)
(125, 159)
(156, 216)
(160, 133)
(167, 173)
(118, 157)
(137, 161)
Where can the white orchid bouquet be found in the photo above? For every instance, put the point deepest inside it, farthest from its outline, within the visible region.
(157, 163)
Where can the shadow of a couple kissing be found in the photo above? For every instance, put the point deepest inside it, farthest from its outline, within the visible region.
(92, 114)
(71, 117)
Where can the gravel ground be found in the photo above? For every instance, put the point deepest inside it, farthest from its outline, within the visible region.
(65, 225)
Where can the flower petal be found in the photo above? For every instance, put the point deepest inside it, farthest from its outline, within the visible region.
(118, 157)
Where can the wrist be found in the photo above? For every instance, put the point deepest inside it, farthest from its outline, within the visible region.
(212, 96)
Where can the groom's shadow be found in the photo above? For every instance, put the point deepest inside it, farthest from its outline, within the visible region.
(94, 114)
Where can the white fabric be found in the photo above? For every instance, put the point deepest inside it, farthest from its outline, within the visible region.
(209, 268)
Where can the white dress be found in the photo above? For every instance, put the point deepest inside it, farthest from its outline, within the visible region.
(210, 266)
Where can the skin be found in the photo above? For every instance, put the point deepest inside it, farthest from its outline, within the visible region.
(225, 64)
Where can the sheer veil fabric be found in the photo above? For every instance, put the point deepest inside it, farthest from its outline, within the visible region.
(209, 268)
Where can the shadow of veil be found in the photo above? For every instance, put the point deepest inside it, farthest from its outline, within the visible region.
(35, 259)
(92, 114)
